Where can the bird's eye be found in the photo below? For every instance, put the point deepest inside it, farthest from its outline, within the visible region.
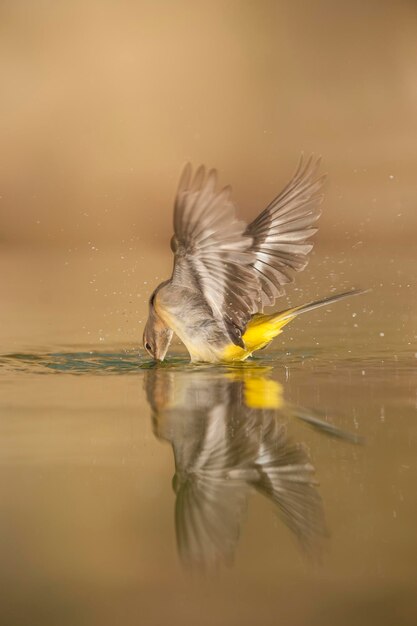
(148, 347)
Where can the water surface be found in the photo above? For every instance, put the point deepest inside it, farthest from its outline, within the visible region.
(281, 490)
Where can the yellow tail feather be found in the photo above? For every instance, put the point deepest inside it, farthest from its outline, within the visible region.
(262, 329)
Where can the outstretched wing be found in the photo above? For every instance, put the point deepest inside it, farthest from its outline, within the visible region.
(281, 231)
(213, 251)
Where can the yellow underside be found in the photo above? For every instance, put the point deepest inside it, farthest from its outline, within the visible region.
(261, 330)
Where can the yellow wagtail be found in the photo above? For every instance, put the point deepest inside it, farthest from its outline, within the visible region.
(226, 271)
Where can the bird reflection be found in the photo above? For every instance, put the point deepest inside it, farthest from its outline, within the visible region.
(228, 435)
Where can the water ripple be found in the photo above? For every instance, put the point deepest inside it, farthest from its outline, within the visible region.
(130, 362)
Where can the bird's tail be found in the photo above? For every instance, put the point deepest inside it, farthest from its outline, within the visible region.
(263, 328)
(310, 306)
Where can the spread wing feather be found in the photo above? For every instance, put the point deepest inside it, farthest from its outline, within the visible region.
(239, 269)
(212, 251)
(281, 231)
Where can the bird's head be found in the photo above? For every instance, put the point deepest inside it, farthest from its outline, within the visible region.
(157, 335)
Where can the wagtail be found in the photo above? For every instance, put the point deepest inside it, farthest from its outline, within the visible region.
(225, 271)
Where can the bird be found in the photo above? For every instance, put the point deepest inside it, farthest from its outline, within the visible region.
(226, 271)
(229, 435)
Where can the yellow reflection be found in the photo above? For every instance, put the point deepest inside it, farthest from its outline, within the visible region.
(260, 392)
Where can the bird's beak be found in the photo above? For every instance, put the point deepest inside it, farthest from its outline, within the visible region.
(162, 342)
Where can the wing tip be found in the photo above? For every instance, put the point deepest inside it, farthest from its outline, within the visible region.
(185, 177)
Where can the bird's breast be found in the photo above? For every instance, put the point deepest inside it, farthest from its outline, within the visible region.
(188, 315)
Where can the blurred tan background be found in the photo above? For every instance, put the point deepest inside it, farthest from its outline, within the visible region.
(103, 102)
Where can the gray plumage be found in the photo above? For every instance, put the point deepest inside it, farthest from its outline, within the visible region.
(239, 268)
(226, 271)
(281, 231)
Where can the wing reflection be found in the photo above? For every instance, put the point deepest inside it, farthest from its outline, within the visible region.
(227, 434)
